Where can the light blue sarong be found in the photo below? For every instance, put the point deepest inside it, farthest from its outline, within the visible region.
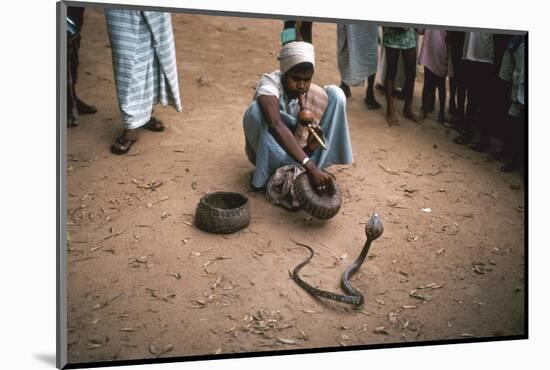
(144, 63)
(269, 155)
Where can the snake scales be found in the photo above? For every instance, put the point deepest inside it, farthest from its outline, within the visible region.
(374, 228)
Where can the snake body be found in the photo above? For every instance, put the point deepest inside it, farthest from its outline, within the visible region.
(373, 229)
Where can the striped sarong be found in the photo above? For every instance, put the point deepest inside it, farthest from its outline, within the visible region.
(144, 63)
(357, 52)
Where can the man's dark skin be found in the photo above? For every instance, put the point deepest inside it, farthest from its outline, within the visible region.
(295, 82)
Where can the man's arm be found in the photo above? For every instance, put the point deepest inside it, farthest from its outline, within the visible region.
(269, 106)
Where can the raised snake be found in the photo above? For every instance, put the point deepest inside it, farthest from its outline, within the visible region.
(373, 229)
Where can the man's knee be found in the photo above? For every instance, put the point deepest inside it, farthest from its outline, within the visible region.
(335, 95)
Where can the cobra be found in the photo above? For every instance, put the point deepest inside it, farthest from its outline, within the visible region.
(373, 229)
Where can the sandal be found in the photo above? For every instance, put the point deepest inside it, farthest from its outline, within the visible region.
(154, 124)
(84, 108)
(372, 104)
(124, 142)
(462, 140)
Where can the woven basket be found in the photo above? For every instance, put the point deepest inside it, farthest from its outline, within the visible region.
(322, 206)
(222, 212)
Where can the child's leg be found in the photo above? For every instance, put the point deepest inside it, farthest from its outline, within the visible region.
(409, 61)
(440, 84)
(426, 91)
(452, 96)
(391, 71)
(370, 101)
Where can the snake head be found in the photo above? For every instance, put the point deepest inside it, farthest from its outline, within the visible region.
(374, 228)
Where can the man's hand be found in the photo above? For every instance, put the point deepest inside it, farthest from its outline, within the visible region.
(312, 143)
(320, 180)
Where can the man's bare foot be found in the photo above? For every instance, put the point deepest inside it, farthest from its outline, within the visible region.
(392, 119)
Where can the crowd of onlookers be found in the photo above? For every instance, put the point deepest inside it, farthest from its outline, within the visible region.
(485, 73)
(478, 77)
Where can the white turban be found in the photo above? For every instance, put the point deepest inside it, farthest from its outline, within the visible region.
(295, 53)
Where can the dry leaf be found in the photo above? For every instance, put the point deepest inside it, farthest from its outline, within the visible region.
(422, 297)
(149, 205)
(286, 341)
(380, 330)
(157, 351)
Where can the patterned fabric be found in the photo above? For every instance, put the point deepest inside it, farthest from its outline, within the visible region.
(280, 187)
(264, 151)
(399, 38)
(316, 102)
(357, 46)
(144, 63)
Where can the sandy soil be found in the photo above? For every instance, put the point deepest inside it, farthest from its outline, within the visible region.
(144, 282)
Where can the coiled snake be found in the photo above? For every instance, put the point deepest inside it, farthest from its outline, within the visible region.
(374, 228)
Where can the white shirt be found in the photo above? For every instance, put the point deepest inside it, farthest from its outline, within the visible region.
(271, 84)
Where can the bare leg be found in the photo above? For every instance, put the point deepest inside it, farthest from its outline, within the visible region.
(345, 88)
(370, 101)
(391, 70)
(409, 59)
(441, 89)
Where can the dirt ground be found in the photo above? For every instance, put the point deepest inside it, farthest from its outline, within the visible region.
(143, 281)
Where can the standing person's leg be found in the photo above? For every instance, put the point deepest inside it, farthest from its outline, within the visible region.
(149, 48)
(392, 56)
(486, 112)
(461, 94)
(381, 70)
(344, 57)
(76, 15)
(514, 144)
(427, 91)
(307, 31)
(452, 97)
(470, 86)
(441, 90)
(370, 100)
(409, 60)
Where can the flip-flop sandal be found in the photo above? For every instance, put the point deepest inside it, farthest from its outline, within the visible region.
(84, 108)
(372, 104)
(461, 140)
(154, 124)
(122, 145)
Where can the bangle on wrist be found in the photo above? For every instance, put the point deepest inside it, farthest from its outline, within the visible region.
(305, 160)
